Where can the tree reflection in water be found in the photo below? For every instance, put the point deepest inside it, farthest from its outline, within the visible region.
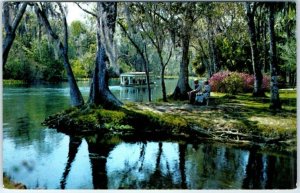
(254, 172)
(73, 149)
(98, 152)
(166, 165)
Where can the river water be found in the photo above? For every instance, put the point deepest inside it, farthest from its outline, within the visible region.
(40, 157)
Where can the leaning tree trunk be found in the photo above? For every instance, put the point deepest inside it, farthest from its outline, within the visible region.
(183, 86)
(162, 72)
(10, 30)
(258, 91)
(100, 93)
(75, 94)
(275, 100)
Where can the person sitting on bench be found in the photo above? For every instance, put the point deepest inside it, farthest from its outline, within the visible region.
(192, 93)
(201, 97)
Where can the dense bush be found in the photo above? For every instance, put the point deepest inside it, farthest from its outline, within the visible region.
(217, 81)
(235, 82)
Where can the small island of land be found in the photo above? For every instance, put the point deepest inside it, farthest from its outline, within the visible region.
(240, 119)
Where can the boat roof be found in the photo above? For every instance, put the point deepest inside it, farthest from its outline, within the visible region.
(135, 74)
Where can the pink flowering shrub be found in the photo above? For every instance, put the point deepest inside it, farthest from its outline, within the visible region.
(235, 82)
(248, 82)
(266, 83)
(217, 81)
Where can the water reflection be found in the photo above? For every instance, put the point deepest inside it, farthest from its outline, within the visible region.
(135, 94)
(254, 172)
(98, 153)
(40, 157)
(172, 165)
(73, 149)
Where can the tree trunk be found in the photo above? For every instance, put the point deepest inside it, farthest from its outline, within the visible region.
(100, 93)
(254, 53)
(163, 85)
(76, 97)
(162, 72)
(275, 100)
(212, 46)
(146, 69)
(10, 30)
(183, 86)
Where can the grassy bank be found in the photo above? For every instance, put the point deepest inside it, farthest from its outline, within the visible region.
(13, 82)
(240, 119)
(123, 121)
(9, 184)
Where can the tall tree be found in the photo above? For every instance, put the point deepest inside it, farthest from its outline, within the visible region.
(155, 29)
(188, 16)
(76, 97)
(275, 100)
(211, 38)
(10, 29)
(250, 12)
(100, 93)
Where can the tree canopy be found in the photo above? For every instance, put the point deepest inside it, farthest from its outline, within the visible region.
(168, 38)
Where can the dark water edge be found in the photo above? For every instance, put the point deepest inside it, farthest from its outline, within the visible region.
(181, 165)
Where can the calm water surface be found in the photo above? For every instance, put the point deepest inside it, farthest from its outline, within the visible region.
(40, 157)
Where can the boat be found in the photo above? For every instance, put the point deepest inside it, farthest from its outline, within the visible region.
(135, 79)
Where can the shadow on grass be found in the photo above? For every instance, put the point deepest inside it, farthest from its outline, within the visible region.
(243, 107)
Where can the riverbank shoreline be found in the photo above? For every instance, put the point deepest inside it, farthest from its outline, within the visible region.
(242, 120)
(9, 184)
(230, 128)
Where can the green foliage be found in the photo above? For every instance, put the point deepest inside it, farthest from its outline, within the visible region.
(124, 67)
(198, 66)
(87, 120)
(110, 116)
(79, 69)
(36, 62)
(124, 120)
(233, 83)
(33, 56)
(77, 28)
(287, 53)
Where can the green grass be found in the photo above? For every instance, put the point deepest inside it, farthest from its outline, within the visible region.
(125, 119)
(13, 82)
(253, 114)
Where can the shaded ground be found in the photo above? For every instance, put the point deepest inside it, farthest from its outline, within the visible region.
(240, 119)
